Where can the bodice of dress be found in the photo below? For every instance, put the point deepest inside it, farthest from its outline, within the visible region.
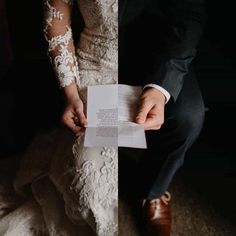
(99, 39)
(100, 17)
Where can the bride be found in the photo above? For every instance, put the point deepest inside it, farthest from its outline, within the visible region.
(72, 189)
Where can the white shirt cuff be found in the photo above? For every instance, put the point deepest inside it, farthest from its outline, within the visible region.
(162, 90)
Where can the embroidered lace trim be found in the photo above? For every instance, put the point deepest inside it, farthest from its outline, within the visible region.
(97, 189)
(51, 12)
(60, 47)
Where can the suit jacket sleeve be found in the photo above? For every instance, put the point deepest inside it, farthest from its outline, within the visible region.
(185, 20)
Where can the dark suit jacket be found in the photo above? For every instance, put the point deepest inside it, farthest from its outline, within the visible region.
(158, 40)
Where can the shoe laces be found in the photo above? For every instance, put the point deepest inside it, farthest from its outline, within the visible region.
(166, 198)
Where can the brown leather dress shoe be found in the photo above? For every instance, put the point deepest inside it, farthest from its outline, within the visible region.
(157, 215)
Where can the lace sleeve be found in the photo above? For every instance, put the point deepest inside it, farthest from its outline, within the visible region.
(58, 34)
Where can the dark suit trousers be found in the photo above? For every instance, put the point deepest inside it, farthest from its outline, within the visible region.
(143, 43)
(150, 171)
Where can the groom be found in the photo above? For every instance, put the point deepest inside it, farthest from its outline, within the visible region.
(157, 43)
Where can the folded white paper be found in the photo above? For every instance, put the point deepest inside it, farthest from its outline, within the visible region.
(110, 112)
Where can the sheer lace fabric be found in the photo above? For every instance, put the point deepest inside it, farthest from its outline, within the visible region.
(73, 188)
(58, 34)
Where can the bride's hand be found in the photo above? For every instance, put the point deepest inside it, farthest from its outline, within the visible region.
(73, 116)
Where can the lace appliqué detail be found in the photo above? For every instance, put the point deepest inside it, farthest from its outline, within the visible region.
(98, 190)
(65, 63)
(50, 13)
(104, 181)
(65, 66)
(60, 39)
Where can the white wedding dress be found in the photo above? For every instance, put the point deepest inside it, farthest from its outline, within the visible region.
(69, 189)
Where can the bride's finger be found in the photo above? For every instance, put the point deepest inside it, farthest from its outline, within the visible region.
(76, 120)
(73, 126)
(81, 118)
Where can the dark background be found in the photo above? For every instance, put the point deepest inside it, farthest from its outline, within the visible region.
(30, 100)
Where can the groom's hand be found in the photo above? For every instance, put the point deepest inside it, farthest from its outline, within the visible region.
(151, 110)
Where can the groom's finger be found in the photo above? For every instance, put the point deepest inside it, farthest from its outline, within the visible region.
(152, 123)
(144, 109)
